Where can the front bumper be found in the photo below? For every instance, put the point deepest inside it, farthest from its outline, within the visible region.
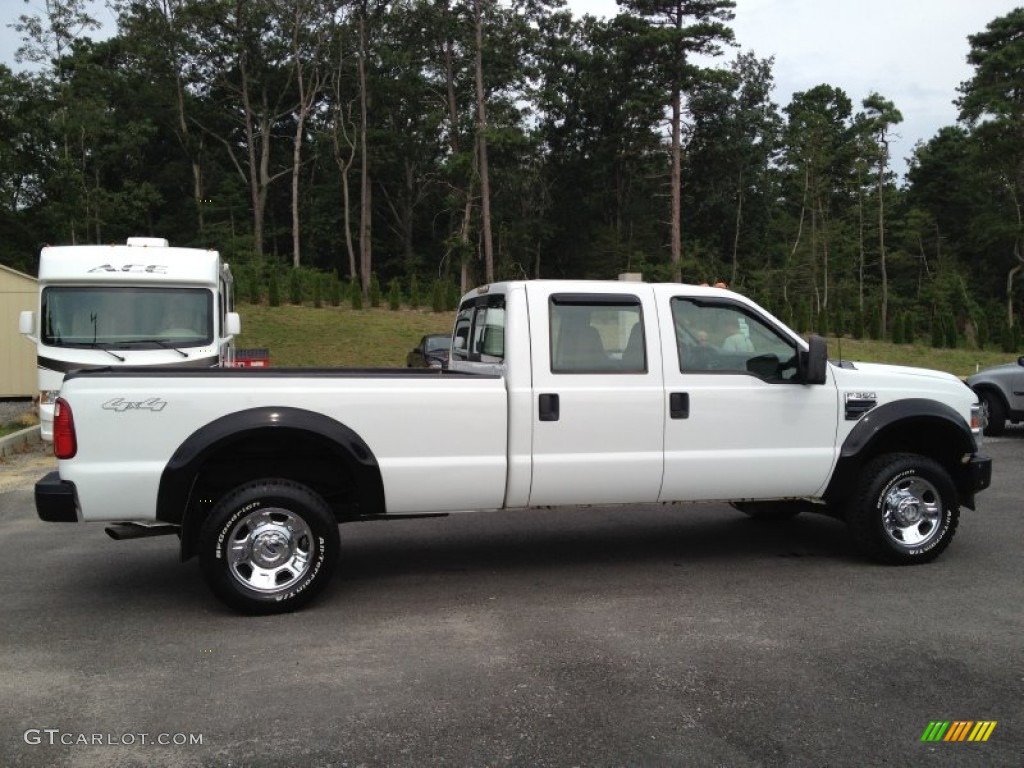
(975, 476)
(56, 501)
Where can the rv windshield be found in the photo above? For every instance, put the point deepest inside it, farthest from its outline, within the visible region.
(125, 316)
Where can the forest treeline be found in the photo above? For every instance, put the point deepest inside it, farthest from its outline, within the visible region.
(403, 143)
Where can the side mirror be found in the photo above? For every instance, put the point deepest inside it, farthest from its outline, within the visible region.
(232, 324)
(814, 362)
(27, 323)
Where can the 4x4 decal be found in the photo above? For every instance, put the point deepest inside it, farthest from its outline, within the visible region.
(121, 405)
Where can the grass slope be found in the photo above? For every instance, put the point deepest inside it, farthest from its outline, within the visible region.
(336, 337)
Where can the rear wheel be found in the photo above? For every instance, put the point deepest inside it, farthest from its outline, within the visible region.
(906, 511)
(269, 546)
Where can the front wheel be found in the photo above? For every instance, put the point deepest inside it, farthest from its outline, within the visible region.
(906, 510)
(995, 413)
(269, 546)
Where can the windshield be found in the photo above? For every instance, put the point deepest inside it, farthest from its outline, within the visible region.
(126, 316)
(438, 343)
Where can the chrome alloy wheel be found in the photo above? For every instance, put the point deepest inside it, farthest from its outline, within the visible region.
(270, 550)
(912, 513)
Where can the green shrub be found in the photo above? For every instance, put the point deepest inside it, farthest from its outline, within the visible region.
(355, 294)
(375, 292)
(839, 322)
(318, 289)
(274, 290)
(858, 326)
(452, 295)
(334, 290)
(415, 300)
(438, 301)
(394, 295)
(295, 287)
(875, 325)
(897, 330)
(981, 324)
(1008, 337)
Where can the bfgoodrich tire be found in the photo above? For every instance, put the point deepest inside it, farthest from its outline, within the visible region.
(906, 510)
(269, 546)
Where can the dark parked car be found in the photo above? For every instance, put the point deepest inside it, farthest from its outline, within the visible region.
(1001, 391)
(431, 352)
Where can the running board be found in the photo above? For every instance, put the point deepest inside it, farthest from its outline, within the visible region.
(122, 531)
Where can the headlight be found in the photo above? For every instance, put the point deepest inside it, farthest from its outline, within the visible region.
(979, 420)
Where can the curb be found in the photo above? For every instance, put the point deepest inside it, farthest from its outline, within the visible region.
(12, 444)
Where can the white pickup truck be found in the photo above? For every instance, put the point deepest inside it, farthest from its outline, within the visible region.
(557, 393)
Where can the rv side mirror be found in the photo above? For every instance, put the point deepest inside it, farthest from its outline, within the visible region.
(27, 322)
(814, 362)
(233, 324)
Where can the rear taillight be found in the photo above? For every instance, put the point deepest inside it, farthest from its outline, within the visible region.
(65, 445)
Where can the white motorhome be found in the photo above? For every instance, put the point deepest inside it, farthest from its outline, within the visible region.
(142, 303)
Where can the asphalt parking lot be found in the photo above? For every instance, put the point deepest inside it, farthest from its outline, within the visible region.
(654, 636)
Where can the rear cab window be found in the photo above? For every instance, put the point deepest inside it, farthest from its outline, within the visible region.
(596, 334)
(479, 335)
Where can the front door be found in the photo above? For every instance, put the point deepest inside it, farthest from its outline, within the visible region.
(749, 430)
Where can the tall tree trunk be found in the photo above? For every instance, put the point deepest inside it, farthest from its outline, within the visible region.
(736, 231)
(455, 144)
(481, 132)
(307, 94)
(344, 163)
(860, 248)
(796, 242)
(254, 165)
(365, 246)
(676, 182)
(881, 243)
(184, 138)
(296, 165)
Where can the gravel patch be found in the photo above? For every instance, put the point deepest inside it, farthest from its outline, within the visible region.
(12, 410)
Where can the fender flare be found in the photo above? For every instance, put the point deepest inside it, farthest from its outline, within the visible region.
(178, 477)
(878, 425)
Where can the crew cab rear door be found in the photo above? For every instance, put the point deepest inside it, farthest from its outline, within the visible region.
(598, 396)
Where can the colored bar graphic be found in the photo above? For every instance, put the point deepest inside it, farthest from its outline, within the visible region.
(935, 731)
(982, 730)
(958, 730)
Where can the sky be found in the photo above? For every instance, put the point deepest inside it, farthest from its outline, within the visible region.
(912, 52)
